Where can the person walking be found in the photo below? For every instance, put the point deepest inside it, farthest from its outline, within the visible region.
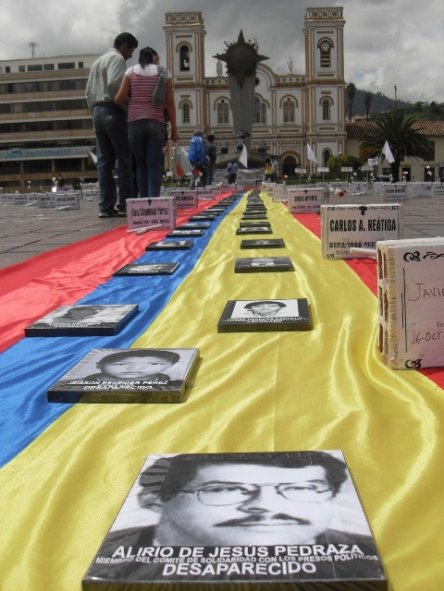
(274, 170)
(149, 89)
(211, 152)
(110, 125)
(267, 170)
(198, 159)
(232, 172)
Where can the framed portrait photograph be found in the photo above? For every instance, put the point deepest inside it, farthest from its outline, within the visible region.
(191, 233)
(279, 520)
(83, 320)
(254, 216)
(263, 264)
(147, 269)
(263, 243)
(170, 245)
(199, 217)
(265, 315)
(195, 226)
(128, 376)
(259, 229)
(253, 224)
(255, 209)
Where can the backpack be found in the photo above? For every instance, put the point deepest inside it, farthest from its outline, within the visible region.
(196, 151)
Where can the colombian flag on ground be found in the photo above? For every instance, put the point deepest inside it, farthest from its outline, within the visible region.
(67, 468)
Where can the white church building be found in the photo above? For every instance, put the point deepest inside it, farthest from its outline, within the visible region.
(291, 109)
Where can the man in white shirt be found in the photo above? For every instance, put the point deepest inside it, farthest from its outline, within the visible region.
(110, 125)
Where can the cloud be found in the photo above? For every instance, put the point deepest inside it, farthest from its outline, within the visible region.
(387, 43)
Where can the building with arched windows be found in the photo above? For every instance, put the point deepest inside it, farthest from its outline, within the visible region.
(46, 128)
(291, 109)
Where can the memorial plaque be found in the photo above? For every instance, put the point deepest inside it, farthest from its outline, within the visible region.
(265, 315)
(46, 200)
(305, 200)
(438, 190)
(191, 233)
(146, 212)
(194, 226)
(255, 216)
(345, 227)
(394, 191)
(313, 535)
(411, 302)
(255, 230)
(255, 209)
(279, 193)
(204, 194)
(358, 187)
(253, 224)
(420, 189)
(204, 217)
(170, 245)
(83, 320)
(263, 243)
(263, 264)
(128, 376)
(217, 210)
(67, 200)
(147, 269)
(185, 199)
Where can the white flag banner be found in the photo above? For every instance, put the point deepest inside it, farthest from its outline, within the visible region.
(243, 158)
(310, 154)
(373, 161)
(388, 153)
(93, 158)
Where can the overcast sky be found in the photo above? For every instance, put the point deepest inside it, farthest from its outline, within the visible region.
(387, 42)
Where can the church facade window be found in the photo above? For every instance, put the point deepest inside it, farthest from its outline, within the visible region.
(184, 58)
(223, 112)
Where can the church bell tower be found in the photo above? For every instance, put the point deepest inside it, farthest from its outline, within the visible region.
(185, 50)
(324, 115)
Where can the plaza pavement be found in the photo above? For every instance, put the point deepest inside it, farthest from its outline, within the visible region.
(28, 231)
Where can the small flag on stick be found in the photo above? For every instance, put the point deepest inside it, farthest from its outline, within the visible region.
(310, 154)
(243, 158)
(388, 153)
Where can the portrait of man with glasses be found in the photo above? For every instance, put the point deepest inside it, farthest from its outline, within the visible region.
(211, 502)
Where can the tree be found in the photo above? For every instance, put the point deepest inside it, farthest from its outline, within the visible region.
(350, 91)
(403, 139)
(368, 103)
(335, 163)
(418, 106)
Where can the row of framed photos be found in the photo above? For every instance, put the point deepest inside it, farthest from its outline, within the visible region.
(161, 375)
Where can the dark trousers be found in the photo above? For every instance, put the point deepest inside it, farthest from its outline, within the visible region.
(147, 138)
(112, 145)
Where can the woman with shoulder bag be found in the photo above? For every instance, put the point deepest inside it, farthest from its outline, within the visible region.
(149, 91)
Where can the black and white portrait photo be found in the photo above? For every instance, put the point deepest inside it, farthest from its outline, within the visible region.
(263, 243)
(83, 320)
(126, 370)
(253, 264)
(262, 504)
(265, 315)
(148, 269)
(266, 309)
(170, 245)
